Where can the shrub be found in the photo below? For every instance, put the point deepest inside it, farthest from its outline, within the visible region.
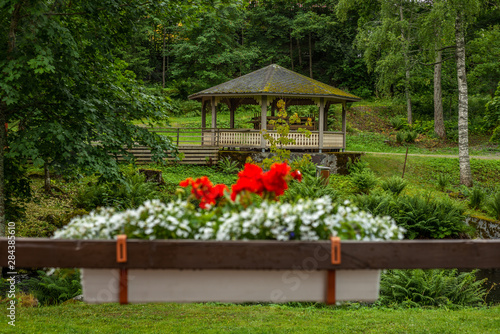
(437, 287)
(395, 185)
(62, 285)
(310, 187)
(398, 122)
(228, 166)
(424, 217)
(493, 205)
(130, 193)
(443, 181)
(305, 165)
(410, 136)
(364, 181)
(356, 166)
(476, 198)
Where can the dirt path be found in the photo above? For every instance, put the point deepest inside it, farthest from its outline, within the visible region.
(487, 157)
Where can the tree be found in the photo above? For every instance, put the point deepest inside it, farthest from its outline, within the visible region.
(386, 36)
(465, 12)
(70, 98)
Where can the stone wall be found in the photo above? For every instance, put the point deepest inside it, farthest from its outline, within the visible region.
(337, 161)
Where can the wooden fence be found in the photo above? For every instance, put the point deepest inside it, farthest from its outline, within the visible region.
(191, 254)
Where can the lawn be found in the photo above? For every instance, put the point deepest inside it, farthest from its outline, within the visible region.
(217, 318)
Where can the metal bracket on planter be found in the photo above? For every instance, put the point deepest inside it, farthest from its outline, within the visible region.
(335, 258)
(121, 257)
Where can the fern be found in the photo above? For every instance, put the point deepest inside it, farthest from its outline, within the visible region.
(310, 187)
(394, 185)
(436, 288)
(493, 205)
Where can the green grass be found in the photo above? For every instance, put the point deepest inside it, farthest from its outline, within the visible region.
(218, 318)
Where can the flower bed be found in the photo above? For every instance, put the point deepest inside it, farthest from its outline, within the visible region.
(221, 215)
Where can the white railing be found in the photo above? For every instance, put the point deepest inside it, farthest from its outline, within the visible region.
(248, 138)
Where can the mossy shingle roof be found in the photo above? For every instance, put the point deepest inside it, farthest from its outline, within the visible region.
(275, 80)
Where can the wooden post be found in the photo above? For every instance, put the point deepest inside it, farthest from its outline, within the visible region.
(232, 108)
(343, 126)
(321, 122)
(214, 119)
(263, 121)
(203, 121)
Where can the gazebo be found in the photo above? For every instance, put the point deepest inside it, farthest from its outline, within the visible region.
(265, 87)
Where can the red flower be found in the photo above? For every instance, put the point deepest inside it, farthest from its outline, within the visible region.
(204, 190)
(275, 179)
(297, 175)
(186, 182)
(250, 179)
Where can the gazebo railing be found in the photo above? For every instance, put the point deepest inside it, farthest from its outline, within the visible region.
(248, 138)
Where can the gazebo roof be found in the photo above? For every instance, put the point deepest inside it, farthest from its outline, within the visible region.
(275, 80)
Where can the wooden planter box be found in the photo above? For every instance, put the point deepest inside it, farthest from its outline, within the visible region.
(227, 285)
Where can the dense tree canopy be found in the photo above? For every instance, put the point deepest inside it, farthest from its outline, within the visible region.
(75, 74)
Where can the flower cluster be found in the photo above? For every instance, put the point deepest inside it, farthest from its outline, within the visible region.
(204, 190)
(252, 179)
(309, 219)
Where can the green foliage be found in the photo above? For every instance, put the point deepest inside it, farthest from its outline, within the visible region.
(476, 198)
(228, 166)
(310, 187)
(17, 189)
(495, 135)
(185, 108)
(406, 137)
(422, 217)
(398, 122)
(493, 205)
(394, 185)
(364, 181)
(130, 193)
(62, 285)
(436, 288)
(357, 166)
(304, 165)
(443, 181)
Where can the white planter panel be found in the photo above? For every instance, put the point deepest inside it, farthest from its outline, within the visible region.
(173, 285)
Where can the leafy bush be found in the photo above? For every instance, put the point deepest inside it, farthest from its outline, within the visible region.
(62, 285)
(310, 187)
(493, 205)
(188, 108)
(305, 165)
(395, 185)
(406, 137)
(422, 217)
(443, 181)
(364, 181)
(130, 193)
(356, 166)
(438, 287)
(476, 198)
(228, 166)
(398, 122)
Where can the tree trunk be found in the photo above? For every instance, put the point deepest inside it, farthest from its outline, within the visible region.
(310, 57)
(11, 45)
(407, 70)
(3, 144)
(463, 127)
(439, 129)
(300, 54)
(47, 186)
(163, 65)
(291, 50)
